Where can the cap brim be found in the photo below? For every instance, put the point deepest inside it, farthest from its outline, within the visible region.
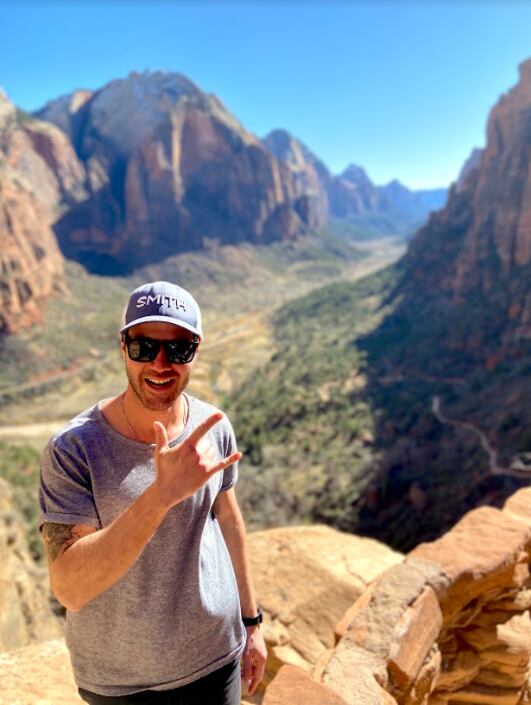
(162, 319)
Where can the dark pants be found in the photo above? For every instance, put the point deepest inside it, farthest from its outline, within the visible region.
(222, 687)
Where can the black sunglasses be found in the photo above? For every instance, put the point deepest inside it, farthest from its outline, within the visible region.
(177, 351)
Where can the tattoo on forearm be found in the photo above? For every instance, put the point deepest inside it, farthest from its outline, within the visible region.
(57, 538)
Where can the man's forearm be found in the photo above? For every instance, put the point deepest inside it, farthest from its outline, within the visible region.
(95, 562)
(233, 530)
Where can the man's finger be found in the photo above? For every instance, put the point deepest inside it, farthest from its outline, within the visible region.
(204, 427)
(225, 463)
(254, 682)
(247, 668)
(161, 437)
(258, 668)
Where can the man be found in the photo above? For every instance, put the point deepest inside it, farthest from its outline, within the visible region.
(144, 537)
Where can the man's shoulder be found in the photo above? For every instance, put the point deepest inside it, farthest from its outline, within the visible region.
(78, 429)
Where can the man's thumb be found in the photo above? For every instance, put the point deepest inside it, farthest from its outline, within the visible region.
(161, 437)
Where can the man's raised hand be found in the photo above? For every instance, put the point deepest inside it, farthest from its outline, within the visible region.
(184, 468)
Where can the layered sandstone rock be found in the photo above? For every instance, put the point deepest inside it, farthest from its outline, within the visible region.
(306, 577)
(496, 185)
(42, 158)
(448, 626)
(310, 174)
(31, 266)
(292, 685)
(39, 674)
(170, 169)
(25, 610)
(40, 176)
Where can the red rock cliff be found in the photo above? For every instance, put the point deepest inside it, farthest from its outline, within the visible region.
(479, 246)
(39, 176)
(169, 168)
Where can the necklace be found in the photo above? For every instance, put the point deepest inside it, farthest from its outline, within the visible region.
(125, 417)
(129, 424)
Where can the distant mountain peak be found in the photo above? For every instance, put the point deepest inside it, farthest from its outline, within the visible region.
(356, 175)
(290, 150)
(396, 187)
(286, 147)
(126, 111)
(152, 85)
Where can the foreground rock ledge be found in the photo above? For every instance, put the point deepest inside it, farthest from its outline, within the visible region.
(306, 577)
(448, 624)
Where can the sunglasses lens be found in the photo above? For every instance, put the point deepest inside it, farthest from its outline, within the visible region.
(180, 351)
(142, 349)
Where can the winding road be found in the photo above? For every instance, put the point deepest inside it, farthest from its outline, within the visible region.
(494, 466)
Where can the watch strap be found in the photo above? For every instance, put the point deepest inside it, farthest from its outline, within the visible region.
(253, 621)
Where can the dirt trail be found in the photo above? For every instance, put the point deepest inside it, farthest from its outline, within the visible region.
(494, 466)
(31, 430)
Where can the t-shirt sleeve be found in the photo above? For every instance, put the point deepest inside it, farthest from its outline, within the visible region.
(230, 474)
(65, 493)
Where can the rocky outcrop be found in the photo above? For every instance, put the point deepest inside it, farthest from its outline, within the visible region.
(472, 163)
(294, 686)
(169, 168)
(39, 674)
(41, 157)
(448, 626)
(40, 176)
(305, 577)
(31, 266)
(25, 609)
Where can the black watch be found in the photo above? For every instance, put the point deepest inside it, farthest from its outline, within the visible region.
(253, 621)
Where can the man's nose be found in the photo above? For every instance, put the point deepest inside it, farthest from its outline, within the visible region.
(161, 361)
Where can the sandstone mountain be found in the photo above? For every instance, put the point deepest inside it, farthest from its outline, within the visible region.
(413, 206)
(151, 166)
(40, 176)
(309, 171)
(352, 194)
(169, 169)
(472, 162)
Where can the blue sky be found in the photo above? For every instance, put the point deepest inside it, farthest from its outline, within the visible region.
(402, 89)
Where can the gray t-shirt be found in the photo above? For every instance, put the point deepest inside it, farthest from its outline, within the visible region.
(175, 614)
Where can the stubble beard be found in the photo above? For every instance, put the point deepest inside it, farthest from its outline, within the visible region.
(164, 403)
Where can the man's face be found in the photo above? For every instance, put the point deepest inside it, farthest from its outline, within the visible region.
(157, 384)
